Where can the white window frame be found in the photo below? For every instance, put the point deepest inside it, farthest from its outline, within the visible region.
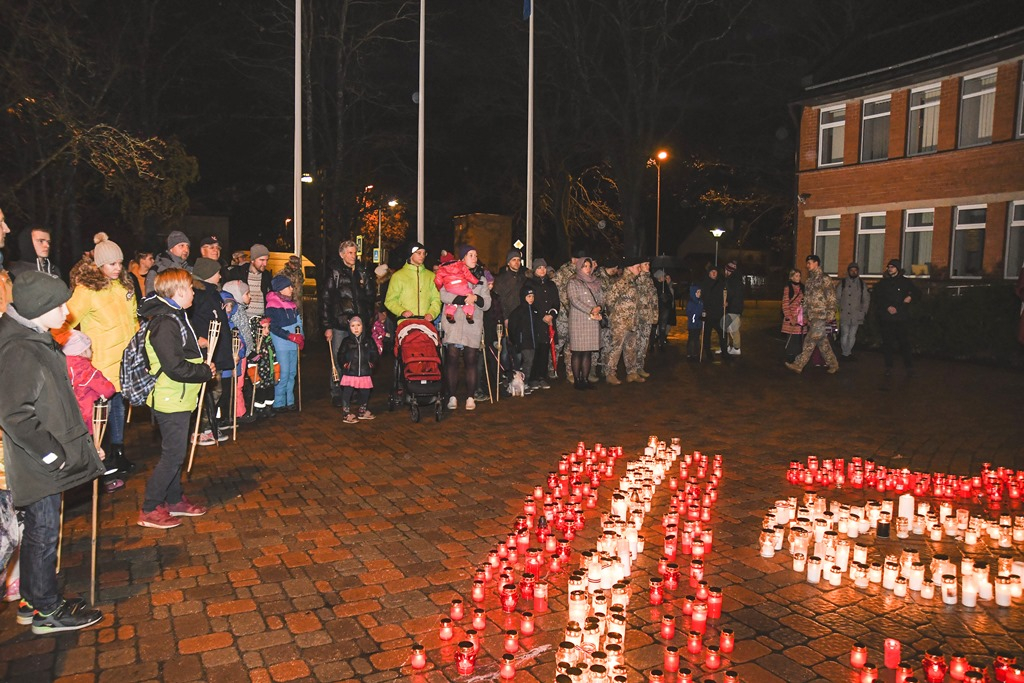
(1010, 270)
(861, 230)
(927, 105)
(991, 90)
(822, 127)
(967, 226)
(818, 221)
(864, 118)
(907, 227)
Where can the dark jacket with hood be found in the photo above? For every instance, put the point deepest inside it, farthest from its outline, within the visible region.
(526, 326)
(179, 362)
(347, 292)
(27, 260)
(711, 293)
(695, 308)
(507, 284)
(208, 306)
(891, 291)
(357, 356)
(47, 448)
(545, 294)
(164, 261)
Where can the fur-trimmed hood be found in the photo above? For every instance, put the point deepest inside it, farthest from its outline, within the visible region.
(87, 274)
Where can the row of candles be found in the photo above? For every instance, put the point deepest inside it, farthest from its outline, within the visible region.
(934, 666)
(570, 490)
(991, 485)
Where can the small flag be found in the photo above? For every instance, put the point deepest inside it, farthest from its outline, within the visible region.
(527, 9)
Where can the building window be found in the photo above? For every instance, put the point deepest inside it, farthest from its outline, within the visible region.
(874, 142)
(918, 227)
(870, 243)
(1015, 240)
(923, 122)
(831, 135)
(968, 241)
(826, 243)
(977, 103)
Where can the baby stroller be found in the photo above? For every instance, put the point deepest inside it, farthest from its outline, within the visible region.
(417, 368)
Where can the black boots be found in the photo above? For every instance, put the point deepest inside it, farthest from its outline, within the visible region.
(115, 458)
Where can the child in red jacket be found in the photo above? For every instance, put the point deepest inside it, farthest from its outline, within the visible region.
(89, 386)
(453, 275)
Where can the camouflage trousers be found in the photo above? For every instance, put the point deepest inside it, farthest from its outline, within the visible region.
(599, 358)
(817, 336)
(643, 343)
(624, 344)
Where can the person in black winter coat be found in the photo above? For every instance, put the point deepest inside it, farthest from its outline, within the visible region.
(548, 303)
(666, 307)
(47, 448)
(356, 360)
(349, 289)
(711, 293)
(207, 306)
(892, 297)
(34, 254)
(528, 333)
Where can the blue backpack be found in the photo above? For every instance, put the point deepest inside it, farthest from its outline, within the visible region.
(137, 381)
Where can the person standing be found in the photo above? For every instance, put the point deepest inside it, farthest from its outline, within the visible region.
(854, 300)
(666, 307)
(623, 303)
(34, 249)
(734, 298)
(176, 256)
(819, 310)
(585, 314)
(507, 285)
(893, 294)
(461, 336)
(254, 273)
(546, 300)
(139, 268)
(411, 292)
(793, 325)
(561, 281)
(47, 447)
(647, 316)
(349, 290)
(712, 291)
(207, 307)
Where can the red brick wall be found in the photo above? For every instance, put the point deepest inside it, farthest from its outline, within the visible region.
(1005, 117)
(808, 139)
(949, 114)
(898, 110)
(851, 139)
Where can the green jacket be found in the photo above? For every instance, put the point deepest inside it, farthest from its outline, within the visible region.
(182, 370)
(412, 289)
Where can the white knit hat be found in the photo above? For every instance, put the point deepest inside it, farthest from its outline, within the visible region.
(105, 252)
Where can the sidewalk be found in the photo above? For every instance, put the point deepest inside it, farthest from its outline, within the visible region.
(330, 548)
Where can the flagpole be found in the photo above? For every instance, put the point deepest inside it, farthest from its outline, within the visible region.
(420, 155)
(297, 142)
(529, 154)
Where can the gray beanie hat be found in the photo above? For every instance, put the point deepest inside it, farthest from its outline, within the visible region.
(36, 293)
(177, 237)
(513, 253)
(539, 263)
(258, 251)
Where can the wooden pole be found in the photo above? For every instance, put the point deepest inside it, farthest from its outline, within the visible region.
(211, 343)
(99, 424)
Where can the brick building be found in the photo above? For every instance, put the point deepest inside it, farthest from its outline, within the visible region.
(921, 160)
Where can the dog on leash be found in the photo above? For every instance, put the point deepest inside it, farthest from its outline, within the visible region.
(517, 387)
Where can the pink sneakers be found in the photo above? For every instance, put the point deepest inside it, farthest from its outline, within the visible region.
(158, 519)
(185, 508)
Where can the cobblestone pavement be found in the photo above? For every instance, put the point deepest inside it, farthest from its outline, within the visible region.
(330, 548)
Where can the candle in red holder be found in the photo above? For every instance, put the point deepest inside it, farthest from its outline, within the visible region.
(714, 602)
(703, 592)
(904, 672)
(1015, 674)
(671, 658)
(671, 576)
(479, 619)
(509, 597)
(512, 640)
(707, 536)
(445, 631)
(696, 572)
(550, 544)
(731, 677)
(657, 591)
(465, 658)
(526, 585)
(687, 604)
(934, 665)
(663, 565)
(526, 625)
(858, 655)
(540, 597)
(508, 667)
(869, 673)
(694, 643)
(668, 627)
(684, 676)
(891, 653)
(479, 592)
(726, 640)
(457, 611)
(713, 658)
(699, 618)
(473, 637)
(697, 548)
(418, 658)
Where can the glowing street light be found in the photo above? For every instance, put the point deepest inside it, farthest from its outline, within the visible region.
(717, 234)
(306, 178)
(656, 161)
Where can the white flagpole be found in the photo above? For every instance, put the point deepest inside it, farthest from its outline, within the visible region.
(420, 155)
(529, 151)
(297, 142)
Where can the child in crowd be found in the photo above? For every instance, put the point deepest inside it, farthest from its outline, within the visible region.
(527, 331)
(235, 295)
(694, 323)
(454, 276)
(89, 386)
(357, 357)
(286, 330)
(380, 332)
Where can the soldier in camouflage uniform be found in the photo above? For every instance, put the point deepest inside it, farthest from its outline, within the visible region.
(607, 275)
(561, 279)
(647, 315)
(819, 310)
(622, 301)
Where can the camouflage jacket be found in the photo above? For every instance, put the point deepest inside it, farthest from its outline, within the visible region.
(561, 279)
(648, 299)
(622, 301)
(819, 297)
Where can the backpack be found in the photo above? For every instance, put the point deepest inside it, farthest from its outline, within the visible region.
(136, 380)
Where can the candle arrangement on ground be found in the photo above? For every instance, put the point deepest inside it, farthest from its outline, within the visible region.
(944, 551)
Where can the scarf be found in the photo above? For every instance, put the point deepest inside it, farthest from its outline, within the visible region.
(592, 283)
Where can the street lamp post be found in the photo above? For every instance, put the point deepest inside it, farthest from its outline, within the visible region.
(717, 234)
(380, 244)
(656, 162)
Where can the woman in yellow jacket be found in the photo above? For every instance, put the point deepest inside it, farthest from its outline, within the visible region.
(103, 305)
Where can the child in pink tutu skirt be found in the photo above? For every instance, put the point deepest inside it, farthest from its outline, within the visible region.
(357, 358)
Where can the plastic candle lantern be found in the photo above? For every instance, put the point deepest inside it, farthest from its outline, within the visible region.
(418, 659)
(699, 618)
(714, 602)
(927, 591)
(696, 572)
(672, 574)
(656, 676)
(526, 624)
(508, 667)
(671, 658)
(445, 629)
(668, 627)
(858, 655)
(457, 611)
(479, 619)
(702, 591)
(657, 591)
(712, 658)
(509, 597)
(726, 640)
(479, 592)
(471, 636)
(891, 651)
(1003, 591)
(869, 673)
(731, 677)
(693, 642)
(684, 676)
(904, 672)
(511, 640)
(934, 664)
(813, 569)
(957, 667)
(687, 604)
(465, 658)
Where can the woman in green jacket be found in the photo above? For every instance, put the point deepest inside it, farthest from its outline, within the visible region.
(175, 358)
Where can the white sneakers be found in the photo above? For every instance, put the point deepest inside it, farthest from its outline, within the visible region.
(453, 403)
(734, 351)
(470, 403)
